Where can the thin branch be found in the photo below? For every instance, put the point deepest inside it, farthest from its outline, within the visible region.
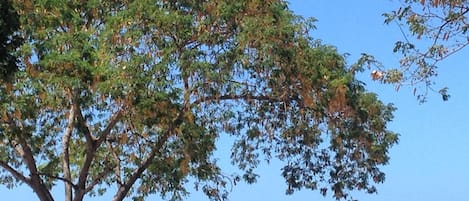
(238, 97)
(65, 180)
(447, 21)
(118, 163)
(453, 51)
(98, 179)
(114, 119)
(402, 32)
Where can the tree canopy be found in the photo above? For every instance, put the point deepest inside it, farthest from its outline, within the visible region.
(433, 30)
(134, 95)
(9, 40)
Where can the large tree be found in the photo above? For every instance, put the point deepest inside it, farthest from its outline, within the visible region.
(133, 96)
(433, 30)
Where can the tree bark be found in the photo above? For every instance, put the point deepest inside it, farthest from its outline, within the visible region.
(15, 173)
(66, 154)
(23, 149)
(92, 143)
(37, 185)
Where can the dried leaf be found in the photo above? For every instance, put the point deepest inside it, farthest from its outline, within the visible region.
(124, 138)
(377, 75)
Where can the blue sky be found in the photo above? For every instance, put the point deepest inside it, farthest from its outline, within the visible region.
(431, 161)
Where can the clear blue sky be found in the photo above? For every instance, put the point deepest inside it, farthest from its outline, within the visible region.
(431, 161)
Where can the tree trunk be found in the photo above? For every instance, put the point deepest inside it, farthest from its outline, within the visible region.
(66, 155)
(79, 195)
(41, 190)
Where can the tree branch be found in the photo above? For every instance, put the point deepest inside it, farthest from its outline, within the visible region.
(98, 178)
(118, 163)
(36, 182)
(448, 21)
(65, 180)
(125, 187)
(24, 150)
(66, 155)
(91, 145)
(114, 119)
(15, 173)
(89, 154)
(238, 97)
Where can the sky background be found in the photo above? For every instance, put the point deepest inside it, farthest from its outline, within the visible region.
(431, 161)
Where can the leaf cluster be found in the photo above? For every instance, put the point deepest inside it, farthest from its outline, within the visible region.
(440, 27)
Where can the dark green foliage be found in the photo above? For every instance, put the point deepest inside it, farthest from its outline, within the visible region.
(9, 40)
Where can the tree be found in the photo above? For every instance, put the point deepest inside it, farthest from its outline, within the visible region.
(442, 25)
(9, 40)
(135, 94)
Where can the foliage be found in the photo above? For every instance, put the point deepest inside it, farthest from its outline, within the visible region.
(443, 23)
(9, 40)
(133, 95)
